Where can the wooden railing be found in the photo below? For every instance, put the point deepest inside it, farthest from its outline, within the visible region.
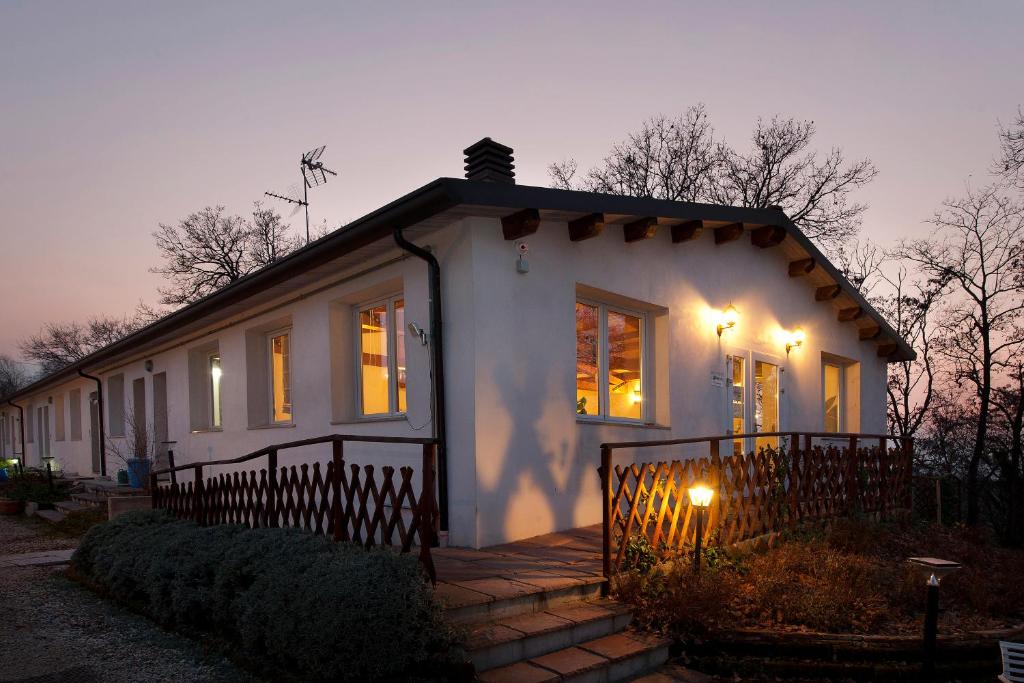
(346, 504)
(755, 492)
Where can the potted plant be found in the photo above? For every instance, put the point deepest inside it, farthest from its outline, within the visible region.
(136, 451)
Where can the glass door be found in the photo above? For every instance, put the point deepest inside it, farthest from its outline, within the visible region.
(766, 403)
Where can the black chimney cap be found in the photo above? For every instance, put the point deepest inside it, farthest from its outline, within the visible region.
(490, 161)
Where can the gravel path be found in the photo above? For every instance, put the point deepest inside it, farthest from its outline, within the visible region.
(27, 535)
(54, 631)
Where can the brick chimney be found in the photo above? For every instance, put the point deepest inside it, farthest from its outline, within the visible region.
(490, 161)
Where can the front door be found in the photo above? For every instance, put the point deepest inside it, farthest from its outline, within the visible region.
(766, 403)
(94, 430)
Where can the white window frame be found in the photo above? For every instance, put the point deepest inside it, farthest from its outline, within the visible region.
(749, 359)
(393, 409)
(604, 392)
(216, 406)
(270, 375)
(841, 408)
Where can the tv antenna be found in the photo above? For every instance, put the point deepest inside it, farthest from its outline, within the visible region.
(314, 174)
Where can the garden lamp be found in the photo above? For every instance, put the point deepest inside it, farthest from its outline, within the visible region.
(933, 570)
(700, 498)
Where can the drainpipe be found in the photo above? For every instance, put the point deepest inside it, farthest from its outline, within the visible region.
(436, 368)
(99, 408)
(21, 426)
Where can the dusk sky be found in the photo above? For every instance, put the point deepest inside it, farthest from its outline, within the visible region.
(119, 116)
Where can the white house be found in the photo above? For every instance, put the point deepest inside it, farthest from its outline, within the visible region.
(561, 320)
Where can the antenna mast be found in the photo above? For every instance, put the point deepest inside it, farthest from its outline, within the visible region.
(314, 174)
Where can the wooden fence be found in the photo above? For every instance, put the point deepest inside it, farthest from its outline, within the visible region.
(755, 493)
(353, 503)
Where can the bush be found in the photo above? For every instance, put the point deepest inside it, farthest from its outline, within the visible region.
(35, 488)
(298, 604)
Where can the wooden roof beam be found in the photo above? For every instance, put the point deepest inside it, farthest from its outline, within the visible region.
(586, 227)
(887, 349)
(768, 236)
(520, 224)
(800, 267)
(728, 233)
(869, 333)
(827, 293)
(684, 232)
(642, 229)
(848, 314)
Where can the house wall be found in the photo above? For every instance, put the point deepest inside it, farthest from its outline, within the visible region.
(535, 461)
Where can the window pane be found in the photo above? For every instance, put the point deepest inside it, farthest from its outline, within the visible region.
(280, 368)
(215, 373)
(587, 402)
(624, 397)
(400, 351)
(833, 382)
(738, 403)
(373, 340)
(766, 402)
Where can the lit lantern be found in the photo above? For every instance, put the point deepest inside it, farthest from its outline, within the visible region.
(796, 340)
(700, 498)
(728, 319)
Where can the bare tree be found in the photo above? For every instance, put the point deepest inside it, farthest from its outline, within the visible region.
(679, 159)
(861, 262)
(976, 255)
(668, 158)
(270, 239)
(1011, 159)
(1008, 401)
(910, 388)
(12, 376)
(60, 344)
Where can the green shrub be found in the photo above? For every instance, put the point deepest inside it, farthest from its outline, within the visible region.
(35, 488)
(285, 600)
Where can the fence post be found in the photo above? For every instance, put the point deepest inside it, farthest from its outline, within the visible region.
(272, 488)
(851, 475)
(794, 495)
(883, 476)
(170, 463)
(153, 491)
(49, 475)
(907, 471)
(339, 462)
(427, 517)
(606, 517)
(198, 489)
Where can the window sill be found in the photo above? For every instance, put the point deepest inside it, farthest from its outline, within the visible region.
(208, 430)
(620, 423)
(371, 418)
(280, 425)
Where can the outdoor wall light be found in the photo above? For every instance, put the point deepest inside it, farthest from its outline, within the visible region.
(796, 340)
(728, 319)
(933, 570)
(700, 498)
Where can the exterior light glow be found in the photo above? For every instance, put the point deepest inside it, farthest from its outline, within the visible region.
(700, 496)
(796, 340)
(728, 319)
(215, 373)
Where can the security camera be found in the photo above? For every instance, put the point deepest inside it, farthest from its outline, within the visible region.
(523, 248)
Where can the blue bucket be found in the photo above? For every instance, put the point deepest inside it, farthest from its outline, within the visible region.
(138, 473)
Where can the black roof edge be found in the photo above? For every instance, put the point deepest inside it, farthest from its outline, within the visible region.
(440, 195)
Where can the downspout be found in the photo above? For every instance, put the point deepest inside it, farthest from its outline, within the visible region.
(21, 427)
(436, 368)
(103, 433)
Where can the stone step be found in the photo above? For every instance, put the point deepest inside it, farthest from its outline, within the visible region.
(70, 506)
(484, 600)
(511, 639)
(52, 516)
(89, 498)
(612, 658)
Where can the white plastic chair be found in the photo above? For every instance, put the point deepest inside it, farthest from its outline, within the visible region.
(1013, 662)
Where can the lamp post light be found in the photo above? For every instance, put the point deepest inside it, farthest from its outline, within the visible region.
(700, 498)
(933, 570)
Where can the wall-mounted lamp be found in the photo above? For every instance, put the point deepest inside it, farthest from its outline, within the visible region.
(728, 319)
(796, 340)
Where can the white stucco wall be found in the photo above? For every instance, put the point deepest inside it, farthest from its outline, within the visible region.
(520, 463)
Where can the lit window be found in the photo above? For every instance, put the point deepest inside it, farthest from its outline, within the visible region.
(766, 403)
(737, 401)
(833, 388)
(609, 362)
(280, 377)
(215, 374)
(382, 381)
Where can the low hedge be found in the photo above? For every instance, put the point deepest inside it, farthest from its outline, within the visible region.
(279, 599)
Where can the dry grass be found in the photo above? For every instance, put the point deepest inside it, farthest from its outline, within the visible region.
(852, 578)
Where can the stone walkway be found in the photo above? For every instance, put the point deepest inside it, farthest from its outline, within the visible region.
(44, 558)
(467, 577)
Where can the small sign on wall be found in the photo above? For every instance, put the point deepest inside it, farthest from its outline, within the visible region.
(718, 379)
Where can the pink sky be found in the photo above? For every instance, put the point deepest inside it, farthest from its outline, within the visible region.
(119, 116)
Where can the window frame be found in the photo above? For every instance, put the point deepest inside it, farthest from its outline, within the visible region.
(392, 339)
(604, 392)
(269, 336)
(750, 358)
(215, 405)
(841, 396)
